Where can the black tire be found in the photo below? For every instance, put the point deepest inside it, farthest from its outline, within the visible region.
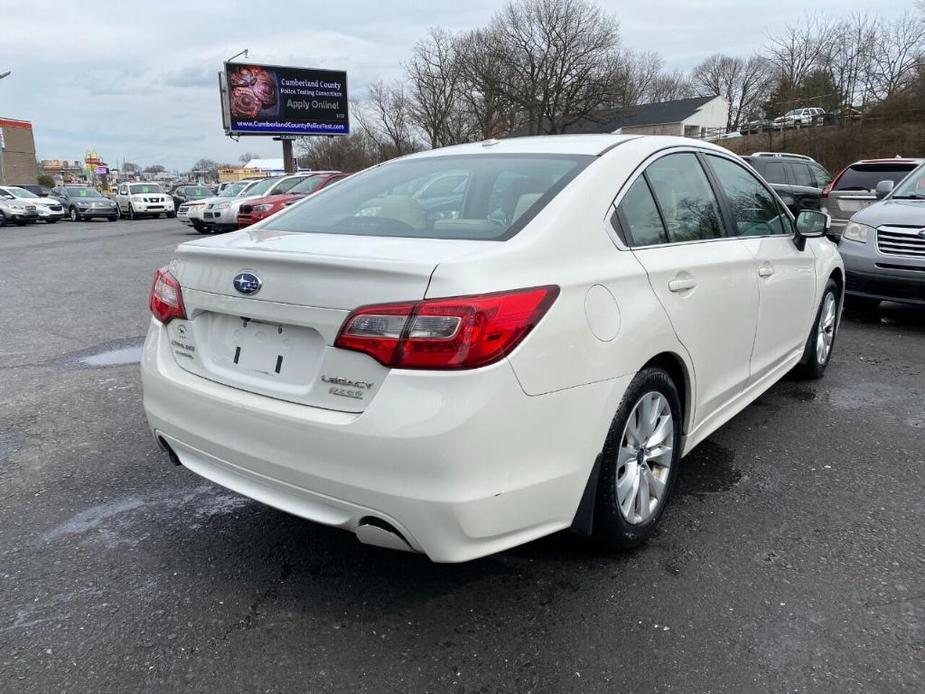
(861, 303)
(75, 215)
(2, 220)
(610, 525)
(131, 212)
(171, 215)
(812, 365)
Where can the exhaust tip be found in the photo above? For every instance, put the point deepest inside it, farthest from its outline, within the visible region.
(375, 531)
(170, 452)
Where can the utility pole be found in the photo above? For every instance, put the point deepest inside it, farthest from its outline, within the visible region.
(3, 140)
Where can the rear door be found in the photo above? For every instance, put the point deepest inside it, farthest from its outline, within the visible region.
(704, 279)
(785, 275)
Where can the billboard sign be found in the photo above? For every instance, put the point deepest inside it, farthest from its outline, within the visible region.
(275, 100)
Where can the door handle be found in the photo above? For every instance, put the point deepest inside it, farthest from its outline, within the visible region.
(765, 271)
(681, 285)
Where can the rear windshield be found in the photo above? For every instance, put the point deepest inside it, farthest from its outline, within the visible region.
(199, 191)
(867, 176)
(477, 197)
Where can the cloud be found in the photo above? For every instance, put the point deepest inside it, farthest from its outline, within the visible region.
(137, 80)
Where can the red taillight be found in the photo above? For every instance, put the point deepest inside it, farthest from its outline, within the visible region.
(166, 300)
(456, 333)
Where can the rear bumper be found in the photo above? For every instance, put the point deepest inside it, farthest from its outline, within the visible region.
(462, 465)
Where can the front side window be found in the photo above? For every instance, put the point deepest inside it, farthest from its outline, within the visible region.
(754, 210)
(478, 197)
(639, 216)
(687, 203)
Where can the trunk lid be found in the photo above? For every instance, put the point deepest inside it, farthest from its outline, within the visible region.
(278, 341)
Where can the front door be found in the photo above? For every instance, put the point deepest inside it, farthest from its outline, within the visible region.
(786, 276)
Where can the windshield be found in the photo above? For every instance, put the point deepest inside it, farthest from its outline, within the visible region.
(488, 197)
(21, 192)
(261, 187)
(145, 188)
(83, 193)
(232, 190)
(867, 176)
(197, 191)
(913, 186)
(307, 185)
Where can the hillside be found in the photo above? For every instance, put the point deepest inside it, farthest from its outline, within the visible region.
(835, 146)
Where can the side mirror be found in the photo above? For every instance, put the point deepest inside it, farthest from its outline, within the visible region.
(811, 224)
(883, 189)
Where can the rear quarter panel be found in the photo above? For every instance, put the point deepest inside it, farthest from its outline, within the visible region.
(570, 244)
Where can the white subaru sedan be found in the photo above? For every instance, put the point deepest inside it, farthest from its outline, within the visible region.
(465, 349)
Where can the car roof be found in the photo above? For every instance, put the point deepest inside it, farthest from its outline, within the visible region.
(591, 144)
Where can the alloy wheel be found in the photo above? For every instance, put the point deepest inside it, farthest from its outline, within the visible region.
(825, 332)
(74, 217)
(645, 457)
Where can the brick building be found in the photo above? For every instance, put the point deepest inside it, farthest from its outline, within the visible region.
(18, 156)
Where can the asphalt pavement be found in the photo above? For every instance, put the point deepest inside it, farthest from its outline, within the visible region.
(791, 560)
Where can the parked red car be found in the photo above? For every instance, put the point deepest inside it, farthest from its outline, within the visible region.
(255, 210)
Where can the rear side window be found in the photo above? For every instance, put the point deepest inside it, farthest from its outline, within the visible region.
(774, 171)
(477, 197)
(685, 199)
(867, 176)
(754, 210)
(802, 176)
(821, 176)
(639, 216)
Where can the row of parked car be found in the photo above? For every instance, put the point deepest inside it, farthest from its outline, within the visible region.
(796, 118)
(877, 218)
(243, 203)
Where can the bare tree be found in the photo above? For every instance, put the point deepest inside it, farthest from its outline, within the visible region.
(351, 153)
(667, 86)
(633, 76)
(386, 116)
(797, 50)
(561, 56)
(897, 54)
(247, 156)
(484, 75)
(847, 59)
(435, 84)
(743, 83)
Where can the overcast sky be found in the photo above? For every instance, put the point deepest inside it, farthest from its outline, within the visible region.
(136, 79)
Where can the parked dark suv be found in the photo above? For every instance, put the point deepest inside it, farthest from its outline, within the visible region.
(796, 178)
(85, 202)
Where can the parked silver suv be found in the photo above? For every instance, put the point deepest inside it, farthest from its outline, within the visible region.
(883, 246)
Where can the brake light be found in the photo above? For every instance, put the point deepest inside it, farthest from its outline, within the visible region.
(166, 300)
(462, 332)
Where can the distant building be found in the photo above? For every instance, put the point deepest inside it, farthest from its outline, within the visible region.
(699, 117)
(267, 167)
(17, 158)
(64, 170)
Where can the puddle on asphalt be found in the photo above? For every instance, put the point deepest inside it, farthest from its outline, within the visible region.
(114, 353)
(114, 357)
(707, 470)
(800, 394)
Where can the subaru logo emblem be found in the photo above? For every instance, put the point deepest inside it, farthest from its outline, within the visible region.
(247, 282)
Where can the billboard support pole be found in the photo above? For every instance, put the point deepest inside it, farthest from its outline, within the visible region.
(288, 161)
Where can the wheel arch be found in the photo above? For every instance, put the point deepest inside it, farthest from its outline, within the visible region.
(677, 368)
